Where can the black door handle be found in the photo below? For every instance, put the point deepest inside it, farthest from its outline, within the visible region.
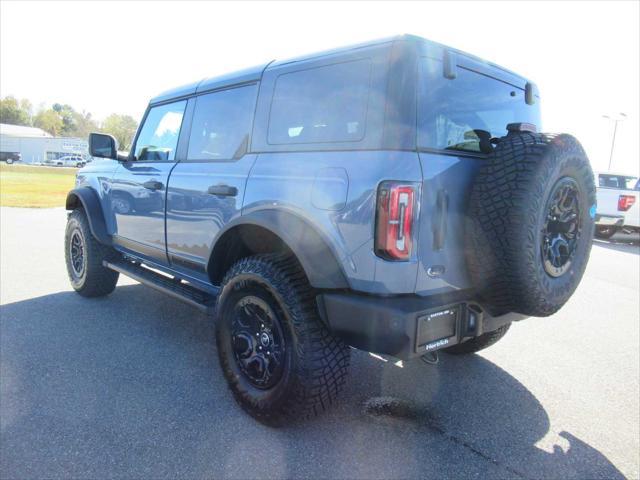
(223, 190)
(153, 185)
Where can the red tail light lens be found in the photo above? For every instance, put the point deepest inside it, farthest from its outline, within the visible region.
(395, 214)
(625, 202)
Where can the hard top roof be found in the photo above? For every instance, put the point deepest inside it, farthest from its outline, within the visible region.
(253, 74)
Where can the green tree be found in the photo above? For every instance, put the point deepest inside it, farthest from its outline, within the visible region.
(15, 112)
(68, 116)
(49, 121)
(122, 127)
(84, 125)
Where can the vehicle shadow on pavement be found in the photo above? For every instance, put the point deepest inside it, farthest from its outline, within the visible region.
(626, 246)
(474, 403)
(129, 386)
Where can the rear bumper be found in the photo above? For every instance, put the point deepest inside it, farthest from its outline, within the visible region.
(408, 326)
(607, 220)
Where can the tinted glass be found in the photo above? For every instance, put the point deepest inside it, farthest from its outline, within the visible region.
(321, 105)
(221, 124)
(617, 181)
(456, 114)
(159, 135)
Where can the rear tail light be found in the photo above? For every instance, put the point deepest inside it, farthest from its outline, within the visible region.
(625, 202)
(395, 220)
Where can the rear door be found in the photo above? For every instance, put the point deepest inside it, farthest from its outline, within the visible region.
(207, 187)
(457, 117)
(138, 188)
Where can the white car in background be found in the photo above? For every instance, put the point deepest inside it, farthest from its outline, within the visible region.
(70, 161)
(618, 206)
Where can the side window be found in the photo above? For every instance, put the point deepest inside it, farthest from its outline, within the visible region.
(159, 135)
(221, 124)
(462, 113)
(321, 105)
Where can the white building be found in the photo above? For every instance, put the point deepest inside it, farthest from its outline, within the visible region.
(37, 146)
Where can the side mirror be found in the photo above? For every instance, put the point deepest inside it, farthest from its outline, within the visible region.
(103, 146)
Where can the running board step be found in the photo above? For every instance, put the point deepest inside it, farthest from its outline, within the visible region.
(203, 301)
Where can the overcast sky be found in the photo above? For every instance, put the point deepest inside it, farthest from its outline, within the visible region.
(113, 56)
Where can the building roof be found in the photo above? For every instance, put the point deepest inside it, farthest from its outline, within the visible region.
(22, 131)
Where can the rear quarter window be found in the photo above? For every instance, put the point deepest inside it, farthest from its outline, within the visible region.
(325, 104)
(457, 114)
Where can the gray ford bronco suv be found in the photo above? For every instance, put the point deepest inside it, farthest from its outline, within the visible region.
(394, 197)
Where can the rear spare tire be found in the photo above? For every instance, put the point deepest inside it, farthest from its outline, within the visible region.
(530, 223)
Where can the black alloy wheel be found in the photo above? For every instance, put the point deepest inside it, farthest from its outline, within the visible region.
(561, 229)
(258, 342)
(279, 358)
(77, 254)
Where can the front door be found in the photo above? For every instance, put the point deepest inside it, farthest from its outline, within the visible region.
(137, 192)
(207, 187)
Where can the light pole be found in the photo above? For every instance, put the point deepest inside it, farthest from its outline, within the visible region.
(620, 117)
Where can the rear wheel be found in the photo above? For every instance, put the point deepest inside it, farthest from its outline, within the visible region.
(279, 359)
(606, 231)
(84, 256)
(9, 161)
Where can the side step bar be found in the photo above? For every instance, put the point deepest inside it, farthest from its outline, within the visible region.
(174, 287)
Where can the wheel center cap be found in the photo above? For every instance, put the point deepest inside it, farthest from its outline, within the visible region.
(264, 339)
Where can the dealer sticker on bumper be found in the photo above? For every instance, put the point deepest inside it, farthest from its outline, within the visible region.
(436, 344)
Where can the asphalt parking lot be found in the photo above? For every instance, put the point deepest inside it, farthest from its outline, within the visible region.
(128, 386)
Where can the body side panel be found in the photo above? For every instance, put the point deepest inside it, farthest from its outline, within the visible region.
(285, 182)
(195, 217)
(97, 176)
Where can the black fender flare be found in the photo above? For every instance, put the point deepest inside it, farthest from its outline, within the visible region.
(88, 199)
(317, 257)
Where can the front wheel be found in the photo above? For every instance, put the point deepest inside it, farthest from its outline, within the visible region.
(84, 256)
(9, 161)
(280, 360)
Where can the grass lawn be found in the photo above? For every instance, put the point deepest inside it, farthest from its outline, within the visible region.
(34, 186)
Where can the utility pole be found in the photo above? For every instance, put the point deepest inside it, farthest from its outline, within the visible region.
(620, 117)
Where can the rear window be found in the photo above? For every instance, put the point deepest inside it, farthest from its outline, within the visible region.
(321, 105)
(456, 114)
(617, 181)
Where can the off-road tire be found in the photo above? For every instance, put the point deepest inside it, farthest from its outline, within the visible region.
(480, 342)
(506, 217)
(95, 279)
(606, 232)
(316, 362)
